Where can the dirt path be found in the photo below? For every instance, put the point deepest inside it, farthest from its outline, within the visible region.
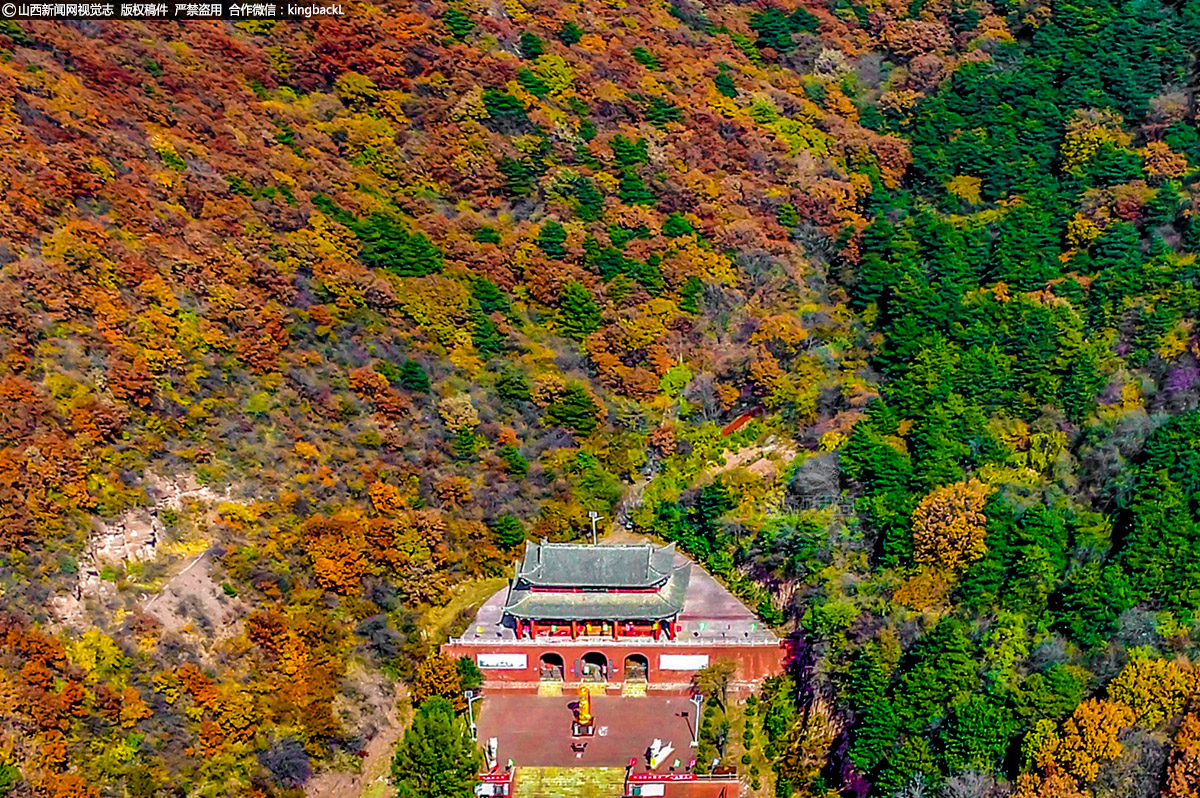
(372, 779)
(191, 598)
(763, 461)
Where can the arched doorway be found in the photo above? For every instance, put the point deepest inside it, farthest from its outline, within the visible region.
(550, 667)
(594, 667)
(637, 668)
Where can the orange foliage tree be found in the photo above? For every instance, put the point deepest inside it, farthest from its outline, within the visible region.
(1183, 767)
(337, 546)
(1089, 737)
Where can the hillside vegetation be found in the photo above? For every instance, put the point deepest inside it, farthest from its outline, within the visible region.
(407, 286)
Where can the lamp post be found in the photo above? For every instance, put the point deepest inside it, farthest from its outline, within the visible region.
(471, 697)
(594, 516)
(696, 699)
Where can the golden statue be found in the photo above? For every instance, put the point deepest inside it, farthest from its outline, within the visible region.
(583, 715)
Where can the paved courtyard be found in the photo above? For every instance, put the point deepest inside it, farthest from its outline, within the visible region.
(535, 731)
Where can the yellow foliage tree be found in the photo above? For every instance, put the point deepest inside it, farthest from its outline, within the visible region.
(1155, 689)
(1163, 163)
(458, 412)
(98, 655)
(949, 524)
(927, 588)
(1087, 131)
(438, 675)
(965, 187)
(133, 708)
(554, 71)
(809, 743)
(336, 546)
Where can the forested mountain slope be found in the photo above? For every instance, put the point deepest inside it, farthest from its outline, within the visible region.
(405, 286)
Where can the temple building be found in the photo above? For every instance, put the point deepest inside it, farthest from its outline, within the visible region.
(625, 618)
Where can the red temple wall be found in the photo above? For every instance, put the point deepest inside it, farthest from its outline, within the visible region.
(755, 662)
(685, 787)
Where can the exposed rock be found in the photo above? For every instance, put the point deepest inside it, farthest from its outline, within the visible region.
(134, 537)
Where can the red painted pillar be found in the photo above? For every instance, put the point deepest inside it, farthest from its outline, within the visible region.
(519, 622)
(616, 630)
(533, 630)
(574, 632)
(655, 631)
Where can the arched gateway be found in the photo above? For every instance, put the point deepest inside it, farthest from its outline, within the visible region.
(550, 667)
(594, 667)
(637, 668)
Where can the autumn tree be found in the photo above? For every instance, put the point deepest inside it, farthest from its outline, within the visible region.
(949, 525)
(1089, 738)
(1183, 766)
(337, 547)
(438, 676)
(1155, 689)
(713, 680)
(808, 744)
(458, 412)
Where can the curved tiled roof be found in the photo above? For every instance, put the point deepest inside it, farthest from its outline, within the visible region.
(572, 565)
(587, 577)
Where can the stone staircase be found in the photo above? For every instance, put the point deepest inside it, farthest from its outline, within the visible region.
(569, 782)
(594, 688)
(550, 689)
(633, 688)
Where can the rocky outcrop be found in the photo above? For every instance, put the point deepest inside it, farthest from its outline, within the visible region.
(134, 537)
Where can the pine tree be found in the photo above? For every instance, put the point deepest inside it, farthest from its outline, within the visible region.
(465, 443)
(531, 46)
(591, 201)
(437, 757)
(633, 191)
(486, 235)
(512, 385)
(690, 293)
(490, 298)
(570, 33)
(677, 225)
(575, 410)
(413, 377)
(773, 30)
(486, 336)
(514, 463)
(508, 530)
(551, 238)
(458, 23)
(578, 314)
(724, 83)
(387, 245)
